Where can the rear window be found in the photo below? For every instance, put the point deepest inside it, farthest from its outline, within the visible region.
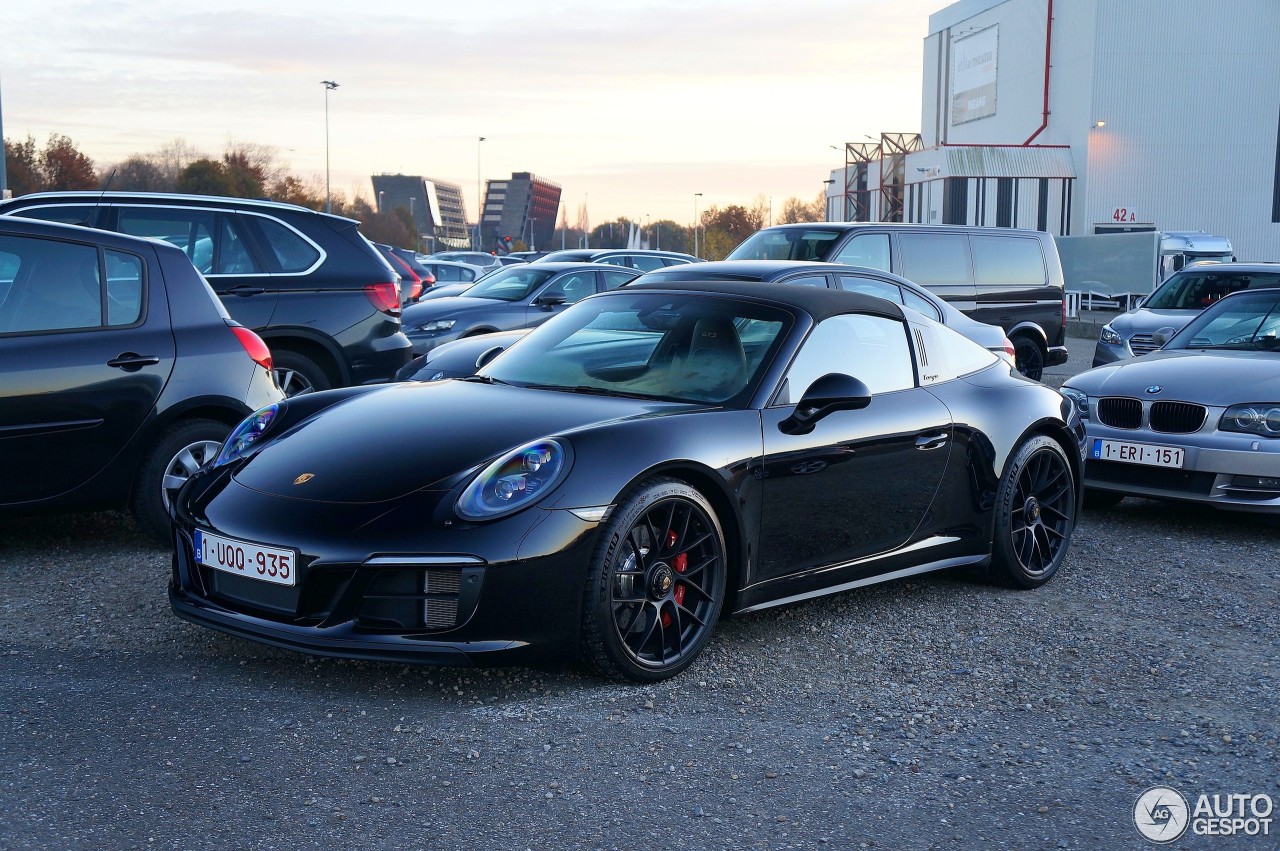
(291, 251)
(67, 214)
(785, 244)
(190, 230)
(1007, 260)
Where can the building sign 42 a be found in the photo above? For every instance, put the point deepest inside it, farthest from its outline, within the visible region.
(1124, 214)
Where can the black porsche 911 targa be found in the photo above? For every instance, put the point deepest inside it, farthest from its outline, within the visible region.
(649, 459)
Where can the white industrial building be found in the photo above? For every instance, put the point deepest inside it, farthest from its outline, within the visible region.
(1084, 116)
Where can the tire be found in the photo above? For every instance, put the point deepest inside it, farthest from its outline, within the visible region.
(1097, 500)
(297, 374)
(181, 449)
(1035, 514)
(1029, 357)
(644, 617)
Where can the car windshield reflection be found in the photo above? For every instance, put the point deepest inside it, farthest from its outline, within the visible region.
(1245, 322)
(510, 284)
(657, 346)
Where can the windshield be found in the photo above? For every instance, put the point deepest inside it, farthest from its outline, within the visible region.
(510, 284)
(786, 244)
(1249, 322)
(1196, 290)
(687, 348)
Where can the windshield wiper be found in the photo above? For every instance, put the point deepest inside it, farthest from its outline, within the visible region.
(484, 379)
(592, 390)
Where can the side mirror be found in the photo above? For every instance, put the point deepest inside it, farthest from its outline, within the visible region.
(488, 355)
(1163, 336)
(551, 299)
(832, 392)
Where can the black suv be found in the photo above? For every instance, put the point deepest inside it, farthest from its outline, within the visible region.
(120, 372)
(309, 283)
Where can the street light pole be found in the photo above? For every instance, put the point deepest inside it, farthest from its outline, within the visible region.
(475, 246)
(696, 196)
(329, 85)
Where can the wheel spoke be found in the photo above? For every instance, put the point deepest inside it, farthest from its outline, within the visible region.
(689, 613)
(636, 548)
(692, 586)
(684, 530)
(638, 649)
(670, 527)
(678, 632)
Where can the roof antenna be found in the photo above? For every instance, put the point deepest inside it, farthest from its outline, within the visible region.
(96, 204)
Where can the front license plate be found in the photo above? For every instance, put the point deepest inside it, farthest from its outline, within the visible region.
(1138, 453)
(269, 564)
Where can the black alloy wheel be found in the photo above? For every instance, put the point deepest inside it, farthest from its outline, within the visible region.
(1035, 514)
(1029, 357)
(656, 584)
(296, 375)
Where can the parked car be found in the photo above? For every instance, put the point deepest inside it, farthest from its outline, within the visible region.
(1198, 420)
(412, 282)
(121, 372)
(1175, 302)
(644, 259)
(318, 292)
(516, 297)
(841, 277)
(459, 358)
(606, 487)
(482, 259)
(452, 272)
(508, 260)
(1001, 276)
(529, 256)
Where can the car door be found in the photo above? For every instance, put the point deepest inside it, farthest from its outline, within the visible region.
(861, 481)
(573, 286)
(219, 248)
(85, 349)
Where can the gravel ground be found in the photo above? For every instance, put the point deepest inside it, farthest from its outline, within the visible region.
(930, 713)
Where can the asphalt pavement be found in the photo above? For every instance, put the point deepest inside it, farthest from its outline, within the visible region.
(936, 712)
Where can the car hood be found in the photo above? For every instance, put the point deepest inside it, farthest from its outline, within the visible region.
(1146, 321)
(395, 440)
(425, 311)
(444, 291)
(1210, 378)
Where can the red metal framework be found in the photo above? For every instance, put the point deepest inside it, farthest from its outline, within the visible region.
(894, 148)
(857, 197)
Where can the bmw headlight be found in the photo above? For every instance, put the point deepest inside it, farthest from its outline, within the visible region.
(515, 481)
(245, 435)
(1080, 398)
(1109, 336)
(437, 325)
(1262, 418)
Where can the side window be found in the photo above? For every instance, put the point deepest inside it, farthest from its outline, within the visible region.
(291, 253)
(613, 280)
(445, 273)
(870, 286)
(647, 264)
(616, 260)
(575, 286)
(124, 288)
(55, 285)
(808, 281)
(870, 348)
(866, 249)
(935, 258)
(67, 214)
(233, 253)
(466, 275)
(943, 354)
(923, 305)
(1007, 260)
(190, 230)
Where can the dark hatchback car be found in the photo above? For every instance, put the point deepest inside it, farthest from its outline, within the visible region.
(120, 372)
(606, 488)
(518, 296)
(308, 283)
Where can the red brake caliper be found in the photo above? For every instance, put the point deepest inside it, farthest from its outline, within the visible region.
(680, 564)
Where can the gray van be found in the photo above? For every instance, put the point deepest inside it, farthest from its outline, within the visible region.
(1002, 276)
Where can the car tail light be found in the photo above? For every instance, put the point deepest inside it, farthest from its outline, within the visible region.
(428, 280)
(1010, 350)
(1064, 313)
(385, 297)
(415, 290)
(253, 346)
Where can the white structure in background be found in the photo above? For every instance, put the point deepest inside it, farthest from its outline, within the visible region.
(1087, 116)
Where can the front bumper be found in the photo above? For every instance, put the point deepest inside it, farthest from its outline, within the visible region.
(1220, 469)
(522, 605)
(1105, 353)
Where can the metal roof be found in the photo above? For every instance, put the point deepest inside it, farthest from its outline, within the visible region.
(1007, 161)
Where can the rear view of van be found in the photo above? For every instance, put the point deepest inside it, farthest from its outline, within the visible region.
(1002, 276)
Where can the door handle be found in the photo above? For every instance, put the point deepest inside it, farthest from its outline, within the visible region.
(245, 290)
(131, 362)
(931, 441)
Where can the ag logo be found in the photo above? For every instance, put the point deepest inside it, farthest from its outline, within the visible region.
(1161, 814)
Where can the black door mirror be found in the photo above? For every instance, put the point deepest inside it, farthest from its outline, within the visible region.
(832, 392)
(551, 299)
(488, 355)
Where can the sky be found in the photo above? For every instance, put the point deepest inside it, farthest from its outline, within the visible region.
(631, 108)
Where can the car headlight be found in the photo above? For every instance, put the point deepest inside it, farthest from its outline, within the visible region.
(1261, 418)
(516, 480)
(1081, 399)
(245, 435)
(1109, 336)
(437, 325)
